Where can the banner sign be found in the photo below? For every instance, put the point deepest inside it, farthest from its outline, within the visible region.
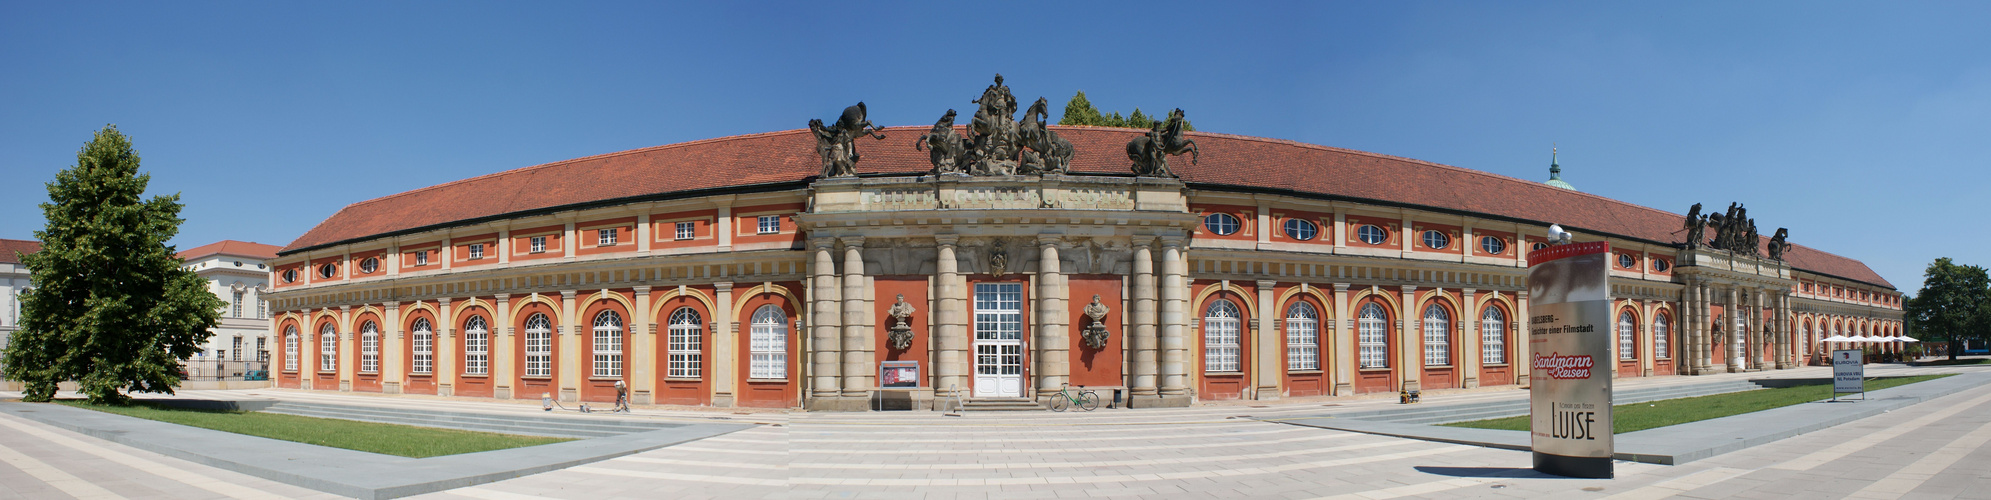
(898, 374)
(1848, 372)
(1569, 339)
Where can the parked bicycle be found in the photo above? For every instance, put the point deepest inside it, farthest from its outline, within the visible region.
(1085, 400)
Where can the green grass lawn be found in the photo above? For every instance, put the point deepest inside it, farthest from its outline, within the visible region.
(390, 439)
(1641, 416)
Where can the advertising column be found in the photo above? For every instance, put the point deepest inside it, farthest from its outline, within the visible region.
(1569, 338)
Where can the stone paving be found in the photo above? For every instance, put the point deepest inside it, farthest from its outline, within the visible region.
(1937, 449)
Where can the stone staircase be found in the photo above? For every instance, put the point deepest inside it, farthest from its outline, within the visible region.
(510, 423)
(1446, 413)
(977, 405)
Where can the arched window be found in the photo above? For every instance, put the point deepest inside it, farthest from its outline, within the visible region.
(476, 346)
(369, 347)
(768, 344)
(686, 338)
(290, 348)
(328, 349)
(1661, 330)
(1804, 336)
(608, 344)
(1493, 337)
(1220, 337)
(1374, 333)
(538, 346)
(425, 347)
(1437, 336)
(1302, 337)
(1627, 332)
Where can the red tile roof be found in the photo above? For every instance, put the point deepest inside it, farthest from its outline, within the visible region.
(12, 250)
(788, 158)
(232, 247)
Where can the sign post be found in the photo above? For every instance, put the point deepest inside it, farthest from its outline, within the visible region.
(1569, 335)
(902, 377)
(1848, 373)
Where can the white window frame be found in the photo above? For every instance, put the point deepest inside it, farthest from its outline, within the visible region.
(1222, 331)
(236, 349)
(538, 346)
(476, 251)
(422, 258)
(1437, 336)
(1367, 232)
(1301, 229)
(328, 349)
(369, 347)
(1436, 240)
(767, 224)
(1661, 327)
(1217, 222)
(1373, 329)
(1302, 337)
(606, 237)
(767, 344)
(476, 346)
(424, 340)
(686, 230)
(369, 265)
(235, 305)
(608, 344)
(685, 344)
(1493, 337)
(536, 244)
(1627, 337)
(1492, 245)
(290, 348)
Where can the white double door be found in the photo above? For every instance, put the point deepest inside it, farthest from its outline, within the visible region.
(998, 340)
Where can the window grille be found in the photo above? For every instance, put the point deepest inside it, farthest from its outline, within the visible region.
(476, 347)
(687, 330)
(290, 348)
(1220, 337)
(538, 244)
(768, 343)
(425, 347)
(1302, 337)
(1493, 336)
(1437, 336)
(768, 224)
(538, 346)
(1374, 333)
(687, 230)
(1627, 331)
(1659, 340)
(369, 348)
(476, 251)
(328, 349)
(422, 258)
(606, 237)
(608, 344)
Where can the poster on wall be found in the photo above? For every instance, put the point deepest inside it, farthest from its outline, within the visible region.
(898, 374)
(1569, 336)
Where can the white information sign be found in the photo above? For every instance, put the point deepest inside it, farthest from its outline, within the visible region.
(1569, 337)
(1848, 372)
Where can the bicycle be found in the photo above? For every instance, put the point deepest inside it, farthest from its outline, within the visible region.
(1085, 400)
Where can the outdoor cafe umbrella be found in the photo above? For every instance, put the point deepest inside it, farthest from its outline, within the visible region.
(1838, 338)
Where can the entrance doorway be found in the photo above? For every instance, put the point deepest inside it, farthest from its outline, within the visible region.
(998, 340)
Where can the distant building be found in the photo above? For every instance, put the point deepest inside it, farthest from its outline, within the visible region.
(238, 273)
(13, 279)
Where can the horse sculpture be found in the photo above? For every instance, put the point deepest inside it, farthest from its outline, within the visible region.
(1150, 152)
(836, 144)
(1047, 152)
(948, 149)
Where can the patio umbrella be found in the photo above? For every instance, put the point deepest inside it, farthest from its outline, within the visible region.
(1905, 338)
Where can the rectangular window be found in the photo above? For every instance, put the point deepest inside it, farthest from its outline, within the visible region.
(262, 308)
(237, 349)
(769, 224)
(686, 230)
(422, 258)
(538, 244)
(606, 237)
(262, 350)
(424, 352)
(235, 306)
(476, 251)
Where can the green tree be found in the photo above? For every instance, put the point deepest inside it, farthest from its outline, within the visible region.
(1954, 304)
(1079, 111)
(111, 308)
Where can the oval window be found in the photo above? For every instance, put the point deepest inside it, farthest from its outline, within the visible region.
(1626, 261)
(1660, 265)
(1436, 240)
(1301, 229)
(1492, 245)
(1222, 223)
(1371, 234)
(290, 276)
(1540, 245)
(369, 265)
(327, 271)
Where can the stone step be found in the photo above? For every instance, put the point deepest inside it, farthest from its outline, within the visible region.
(1001, 404)
(506, 424)
(604, 422)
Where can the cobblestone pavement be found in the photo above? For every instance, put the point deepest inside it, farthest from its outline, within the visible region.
(1937, 449)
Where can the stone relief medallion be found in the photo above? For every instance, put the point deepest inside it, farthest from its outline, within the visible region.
(1095, 334)
(901, 335)
(998, 257)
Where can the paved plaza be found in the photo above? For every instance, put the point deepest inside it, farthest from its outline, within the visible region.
(1936, 449)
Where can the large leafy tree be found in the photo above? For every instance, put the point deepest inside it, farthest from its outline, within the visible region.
(1079, 111)
(1954, 304)
(111, 307)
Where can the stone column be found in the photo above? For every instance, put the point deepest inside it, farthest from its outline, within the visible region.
(1410, 353)
(348, 349)
(950, 318)
(1782, 328)
(725, 346)
(826, 327)
(1685, 326)
(1146, 368)
(1344, 342)
(856, 354)
(1756, 348)
(1052, 343)
(1174, 320)
(642, 361)
(577, 364)
(445, 353)
(1738, 328)
(1269, 338)
(1470, 356)
(1520, 356)
(502, 348)
(1703, 343)
(393, 376)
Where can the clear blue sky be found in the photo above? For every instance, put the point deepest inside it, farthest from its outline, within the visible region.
(1863, 127)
